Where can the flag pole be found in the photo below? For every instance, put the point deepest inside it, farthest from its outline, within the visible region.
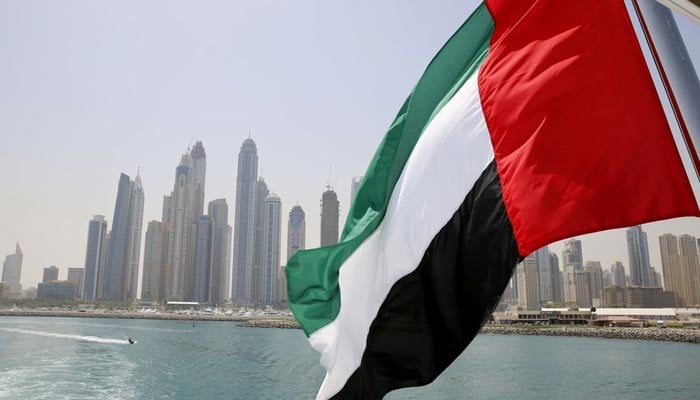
(676, 70)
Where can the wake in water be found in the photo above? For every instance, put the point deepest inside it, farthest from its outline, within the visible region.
(96, 339)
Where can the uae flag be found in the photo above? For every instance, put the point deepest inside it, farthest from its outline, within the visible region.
(537, 121)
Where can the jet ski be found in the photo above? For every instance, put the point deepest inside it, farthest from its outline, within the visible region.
(131, 341)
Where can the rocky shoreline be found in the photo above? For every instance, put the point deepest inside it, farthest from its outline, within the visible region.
(664, 335)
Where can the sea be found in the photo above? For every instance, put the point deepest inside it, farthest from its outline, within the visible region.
(81, 358)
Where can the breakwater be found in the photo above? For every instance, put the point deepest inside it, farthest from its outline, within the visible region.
(664, 335)
(280, 323)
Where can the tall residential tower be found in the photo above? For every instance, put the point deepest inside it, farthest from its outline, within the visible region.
(330, 215)
(271, 249)
(219, 288)
(12, 271)
(638, 252)
(256, 275)
(95, 258)
(179, 232)
(151, 283)
(121, 273)
(243, 225)
(136, 227)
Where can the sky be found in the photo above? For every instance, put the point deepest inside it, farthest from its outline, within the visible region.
(89, 89)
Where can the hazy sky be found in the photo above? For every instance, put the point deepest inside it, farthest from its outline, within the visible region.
(89, 89)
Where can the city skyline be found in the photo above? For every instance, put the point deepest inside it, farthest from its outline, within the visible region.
(145, 120)
(635, 238)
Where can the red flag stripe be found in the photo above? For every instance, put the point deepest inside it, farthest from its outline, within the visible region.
(580, 137)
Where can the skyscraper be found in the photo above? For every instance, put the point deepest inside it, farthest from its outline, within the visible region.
(95, 258)
(151, 288)
(330, 214)
(77, 277)
(179, 232)
(256, 275)
(354, 185)
(50, 274)
(296, 240)
(528, 283)
(12, 271)
(638, 252)
(689, 257)
(136, 226)
(243, 226)
(117, 276)
(219, 288)
(166, 221)
(618, 274)
(673, 269)
(296, 231)
(544, 274)
(204, 246)
(572, 256)
(595, 282)
(555, 278)
(607, 279)
(576, 288)
(271, 249)
(199, 172)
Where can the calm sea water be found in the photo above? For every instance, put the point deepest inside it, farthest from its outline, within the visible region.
(60, 358)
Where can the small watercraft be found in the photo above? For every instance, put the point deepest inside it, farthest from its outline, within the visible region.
(131, 341)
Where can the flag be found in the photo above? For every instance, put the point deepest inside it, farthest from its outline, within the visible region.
(536, 121)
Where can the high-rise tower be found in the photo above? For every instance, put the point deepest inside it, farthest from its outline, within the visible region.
(95, 261)
(330, 214)
(219, 287)
(256, 275)
(179, 235)
(166, 220)
(136, 226)
(572, 256)
(117, 275)
(271, 248)
(204, 246)
(199, 172)
(243, 226)
(555, 277)
(151, 289)
(638, 252)
(354, 185)
(296, 231)
(12, 271)
(544, 274)
(296, 240)
(595, 282)
(618, 274)
(689, 255)
(528, 283)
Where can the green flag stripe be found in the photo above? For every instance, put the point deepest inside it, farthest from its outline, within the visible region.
(312, 275)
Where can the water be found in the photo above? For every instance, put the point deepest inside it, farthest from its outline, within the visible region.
(57, 358)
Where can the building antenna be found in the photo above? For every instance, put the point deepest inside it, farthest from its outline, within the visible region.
(330, 173)
(249, 133)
